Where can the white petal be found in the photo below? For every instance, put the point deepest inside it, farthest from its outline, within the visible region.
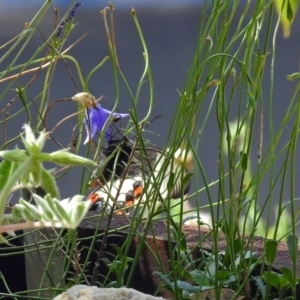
(29, 135)
(40, 141)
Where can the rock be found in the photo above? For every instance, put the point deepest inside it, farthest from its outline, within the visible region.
(84, 292)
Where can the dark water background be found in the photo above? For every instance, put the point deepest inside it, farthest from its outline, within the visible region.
(170, 31)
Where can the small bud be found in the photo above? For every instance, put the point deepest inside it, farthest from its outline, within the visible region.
(214, 82)
(293, 76)
(233, 72)
(185, 158)
(27, 25)
(86, 99)
(210, 41)
(63, 157)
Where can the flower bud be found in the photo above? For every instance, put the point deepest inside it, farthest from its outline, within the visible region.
(214, 82)
(86, 99)
(33, 145)
(62, 157)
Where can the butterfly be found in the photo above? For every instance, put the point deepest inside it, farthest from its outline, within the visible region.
(130, 174)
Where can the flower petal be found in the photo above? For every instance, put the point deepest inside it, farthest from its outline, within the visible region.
(97, 117)
(29, 135)
(115, 114)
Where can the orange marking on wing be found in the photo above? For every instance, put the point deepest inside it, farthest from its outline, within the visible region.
(138, 191)
(94, 198)
(129, 203)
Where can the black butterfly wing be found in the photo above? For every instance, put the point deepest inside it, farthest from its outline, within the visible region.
(153, 165)
(117, 155)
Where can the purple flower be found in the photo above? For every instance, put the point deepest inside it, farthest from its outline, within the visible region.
(59, 29)
(96, 119)
(69, 18)
(72, 12)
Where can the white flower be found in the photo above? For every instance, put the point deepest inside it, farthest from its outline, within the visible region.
(33, 145)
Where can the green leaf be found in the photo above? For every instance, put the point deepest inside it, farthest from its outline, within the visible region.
(187, 178)
(271, 249)
(26, 214)
(30, 210)
(222, 275)
(251, 99)
(44, 156)
(170, 184)
(47, 212)
(62, 215)
(183, 285)
(261, 286)
(199, 278)
(292, 243)
(259, 64)
(17, 214)
(238, 245)
(21, 93)
(115, 267)
(289, 11)
(5, 169)
(237, 248)
(79, 209)
(166, 280)
(15, 155)
(287, 14)
(36, 170)
(244, 160)
(289, 275)
(118, 249)
(59, 213)
(231, 279)
(48, 183)
(273, 279)
(284, 283)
